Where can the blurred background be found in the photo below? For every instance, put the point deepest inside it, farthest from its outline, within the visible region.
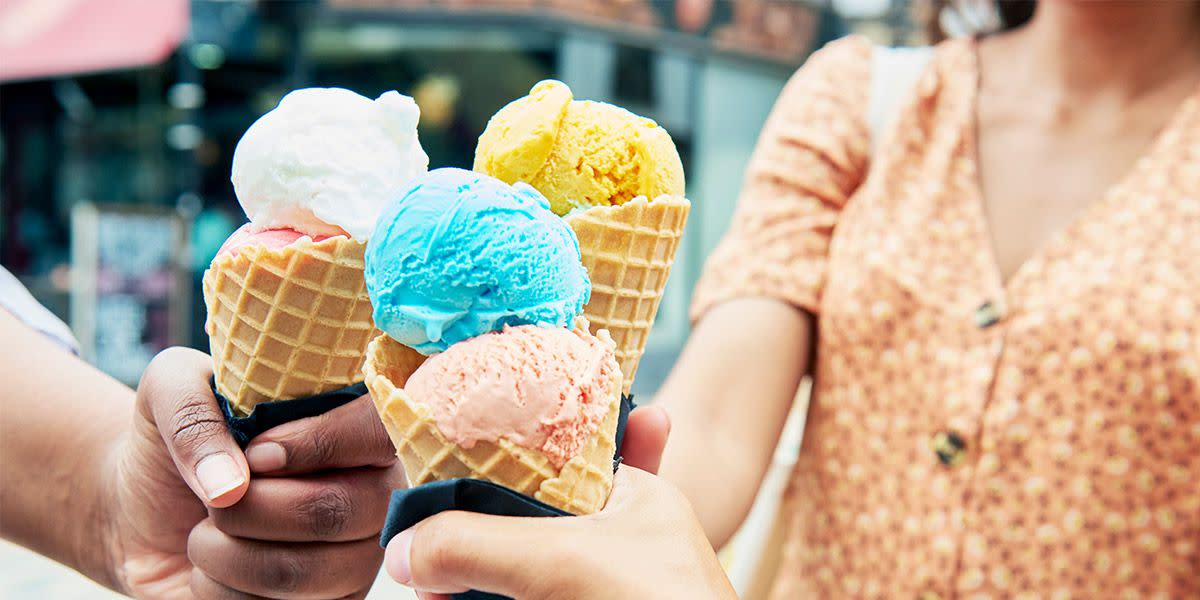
(118, 120)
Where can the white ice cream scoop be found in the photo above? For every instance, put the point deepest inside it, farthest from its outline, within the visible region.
(326, 161)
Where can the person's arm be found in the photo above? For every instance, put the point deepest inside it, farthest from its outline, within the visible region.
(61, 420)
(731, 390)
(728, 397)
(149, 495)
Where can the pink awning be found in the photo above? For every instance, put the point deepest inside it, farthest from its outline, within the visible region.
(49, 38)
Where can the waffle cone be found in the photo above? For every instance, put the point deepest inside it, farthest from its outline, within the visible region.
(628, 251)
(287, 323)
(580, 487)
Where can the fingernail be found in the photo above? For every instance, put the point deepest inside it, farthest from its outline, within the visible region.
(218, 475)
(267, 456)
(396, 560)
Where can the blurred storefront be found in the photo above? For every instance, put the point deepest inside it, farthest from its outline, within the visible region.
(116, 146)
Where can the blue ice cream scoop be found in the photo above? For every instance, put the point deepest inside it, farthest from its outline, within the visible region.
(460, 254)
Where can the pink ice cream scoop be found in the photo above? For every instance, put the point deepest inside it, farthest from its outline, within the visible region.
(271, 239)
(542, 388)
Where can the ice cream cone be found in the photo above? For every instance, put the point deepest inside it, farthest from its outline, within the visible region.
(628, 251)
(580, 487)
(287, 323)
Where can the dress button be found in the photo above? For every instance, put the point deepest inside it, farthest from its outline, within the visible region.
(989, 313)
(949, 447)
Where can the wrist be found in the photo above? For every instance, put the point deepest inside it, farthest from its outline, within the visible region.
(107, 539)
(96, 547)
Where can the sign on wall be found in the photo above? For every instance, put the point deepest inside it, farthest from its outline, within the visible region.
(129, 292)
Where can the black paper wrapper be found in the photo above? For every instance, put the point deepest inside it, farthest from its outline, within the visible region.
(413, 505)
(273, 414)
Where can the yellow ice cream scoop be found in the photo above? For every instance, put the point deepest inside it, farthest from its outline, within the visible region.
(578, 153)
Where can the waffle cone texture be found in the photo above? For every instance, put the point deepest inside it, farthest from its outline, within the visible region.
(287, 323)
(580, 487)
(628, 251)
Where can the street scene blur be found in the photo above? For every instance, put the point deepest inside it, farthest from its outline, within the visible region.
(119, 125)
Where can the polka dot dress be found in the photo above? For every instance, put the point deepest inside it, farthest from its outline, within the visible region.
(967, 438)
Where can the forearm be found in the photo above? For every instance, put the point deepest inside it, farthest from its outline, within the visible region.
(728, 398)
(718, 477)
(61, 420)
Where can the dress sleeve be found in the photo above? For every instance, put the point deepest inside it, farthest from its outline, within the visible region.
(810, 158)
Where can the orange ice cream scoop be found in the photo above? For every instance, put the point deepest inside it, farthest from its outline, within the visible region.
(546, 389)
(578, 153)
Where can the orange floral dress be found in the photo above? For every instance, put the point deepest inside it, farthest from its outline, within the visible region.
(969, 438)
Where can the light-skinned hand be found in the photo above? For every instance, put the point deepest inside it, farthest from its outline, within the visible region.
(645, 543)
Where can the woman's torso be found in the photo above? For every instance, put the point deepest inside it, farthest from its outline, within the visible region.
(975, 438)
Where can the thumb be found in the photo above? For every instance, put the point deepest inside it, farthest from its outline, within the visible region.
(175, 396)
(454, 551)
(645, 438)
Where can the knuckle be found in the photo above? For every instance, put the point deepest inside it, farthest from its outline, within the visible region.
(322, 445)
(373, 430)
(204, 587)
(445, 558)
(435, 543)
(194, 420)
(327, 512)
(379, 441)
(281, 572)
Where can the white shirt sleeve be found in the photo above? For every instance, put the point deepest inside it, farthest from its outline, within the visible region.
(18, 301)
